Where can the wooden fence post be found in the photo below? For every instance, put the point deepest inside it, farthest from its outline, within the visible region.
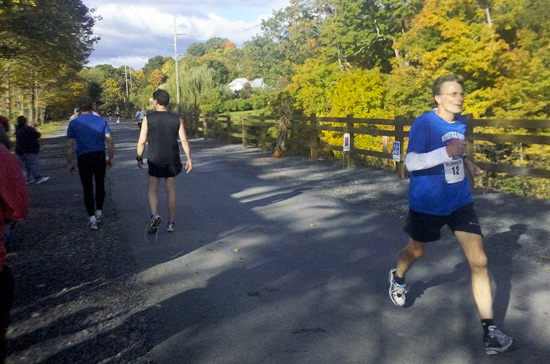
(204, 118)
(470, 152)
(400, 166)
(216, 126)
(196, 119)
(229, 128)
(314, 146)
(244, 131)
(469, 142)
(349, 129)
(263, 144)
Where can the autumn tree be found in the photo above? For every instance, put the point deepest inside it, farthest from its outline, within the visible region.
(51, 40)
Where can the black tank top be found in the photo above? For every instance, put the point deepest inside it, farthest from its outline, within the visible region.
(162, 138)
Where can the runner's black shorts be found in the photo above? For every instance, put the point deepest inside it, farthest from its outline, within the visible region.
(425, 228)
(164, 170)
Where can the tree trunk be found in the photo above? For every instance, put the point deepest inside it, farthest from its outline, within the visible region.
(32, 106)
(489, 20)
(8, 79)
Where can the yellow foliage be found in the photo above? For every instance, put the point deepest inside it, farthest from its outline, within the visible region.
(156, 78)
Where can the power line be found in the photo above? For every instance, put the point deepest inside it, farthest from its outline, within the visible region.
(244, 30)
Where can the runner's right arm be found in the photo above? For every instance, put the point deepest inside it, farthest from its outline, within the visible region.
(141, 142)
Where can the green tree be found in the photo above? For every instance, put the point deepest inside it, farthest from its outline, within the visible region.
(215, 44)
(219, 69)
(311, 84)
(361, 93)
(154, 63)
(195, 50)
(112, 93)
(105, 71)
(354, 33)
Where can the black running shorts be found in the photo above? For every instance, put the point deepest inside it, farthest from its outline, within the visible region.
(425, 228)
(164, 170)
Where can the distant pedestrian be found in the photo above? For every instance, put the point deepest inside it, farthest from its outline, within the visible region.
(27, 146)
(117, 114)
(74, 114)
(91, 133)
(13, 207)
(140, 114)
(161, 130)
(439, 195)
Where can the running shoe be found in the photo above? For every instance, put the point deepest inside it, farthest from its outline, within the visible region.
(92, 223)
(153, 226)
(42, 180)
(171, 227)
(397, 291)
(496, 341)
(100, 218)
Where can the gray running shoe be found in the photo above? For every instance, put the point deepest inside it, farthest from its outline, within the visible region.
(171, 227)
(496, 341)
(92, 224)
(153, 226)
(397, 291)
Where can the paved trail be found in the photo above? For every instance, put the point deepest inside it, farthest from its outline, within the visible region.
(265, 267)
(274, 261)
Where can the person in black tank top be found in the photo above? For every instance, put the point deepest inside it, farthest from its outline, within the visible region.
(162, 129)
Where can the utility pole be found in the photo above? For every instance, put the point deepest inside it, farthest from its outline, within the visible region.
(176, 61)
(127, 94)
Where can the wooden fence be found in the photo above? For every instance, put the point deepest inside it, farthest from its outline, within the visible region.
(256, 129)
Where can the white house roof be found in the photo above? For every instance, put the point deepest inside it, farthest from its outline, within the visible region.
(238, 83)
(258, 83)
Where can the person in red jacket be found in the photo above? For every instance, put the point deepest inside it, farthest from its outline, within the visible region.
(5, 132)
(14, 206)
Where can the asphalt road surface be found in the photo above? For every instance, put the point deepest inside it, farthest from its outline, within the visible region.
(271, 266)
(273, 261)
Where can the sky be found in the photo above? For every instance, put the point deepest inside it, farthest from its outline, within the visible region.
(132, 31)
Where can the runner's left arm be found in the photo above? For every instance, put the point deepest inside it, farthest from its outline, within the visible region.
(472, 167)
(186, 147)
(110, 149)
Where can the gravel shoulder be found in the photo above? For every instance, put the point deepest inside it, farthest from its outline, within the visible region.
(75, 291)
(514, 225)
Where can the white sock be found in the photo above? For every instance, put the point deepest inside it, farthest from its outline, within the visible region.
(98, 213)
(92, 218)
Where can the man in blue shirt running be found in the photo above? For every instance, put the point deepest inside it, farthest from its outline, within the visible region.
(439, 195)
(90, 132)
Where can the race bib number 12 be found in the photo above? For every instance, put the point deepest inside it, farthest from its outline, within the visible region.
(454, 170)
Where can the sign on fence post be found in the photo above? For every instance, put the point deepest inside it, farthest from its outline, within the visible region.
(396, 151)
(346, 147)
(346, 142)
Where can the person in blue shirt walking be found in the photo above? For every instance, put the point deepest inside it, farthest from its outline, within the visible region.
(439, 195)
(90, 132)
(140, 115)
